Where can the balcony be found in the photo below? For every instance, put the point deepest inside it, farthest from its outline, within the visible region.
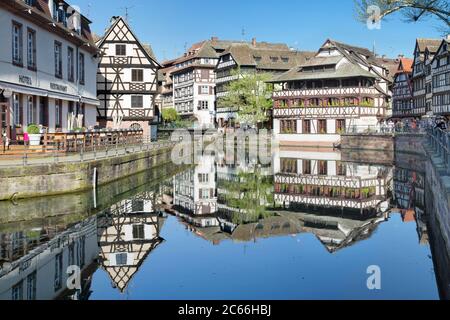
(326, 92)
(442, 109)
(311, 112)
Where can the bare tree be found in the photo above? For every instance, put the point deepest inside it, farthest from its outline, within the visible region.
(412, 10)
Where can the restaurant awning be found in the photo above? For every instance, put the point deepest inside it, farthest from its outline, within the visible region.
(94, 102)
(23, 89)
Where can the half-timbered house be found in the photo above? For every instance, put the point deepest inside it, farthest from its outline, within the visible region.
(422, 77)
(127, 234)
(306, 180)
(343, 88)
(194, 82)
(402, 90)
(47, 67)
(440, 66)
(195, 189)
(127, 80)
(250, 57)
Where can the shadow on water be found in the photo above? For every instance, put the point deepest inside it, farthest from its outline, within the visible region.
(111, 233)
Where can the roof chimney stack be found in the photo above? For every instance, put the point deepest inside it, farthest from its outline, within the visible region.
(254, 42)
(214, 39)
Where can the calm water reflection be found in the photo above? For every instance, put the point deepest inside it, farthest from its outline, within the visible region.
(306, 227)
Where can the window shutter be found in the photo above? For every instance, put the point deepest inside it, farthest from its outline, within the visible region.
(199, 90)
(211, 91)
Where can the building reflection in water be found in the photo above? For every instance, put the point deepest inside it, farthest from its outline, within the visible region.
(34, 263)
(304, 191)
(409, 194)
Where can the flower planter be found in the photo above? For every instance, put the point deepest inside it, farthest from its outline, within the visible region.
(35, 139)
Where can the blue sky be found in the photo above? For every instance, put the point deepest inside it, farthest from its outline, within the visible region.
(170, 25)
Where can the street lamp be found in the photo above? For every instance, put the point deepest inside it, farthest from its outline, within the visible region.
(7, 93)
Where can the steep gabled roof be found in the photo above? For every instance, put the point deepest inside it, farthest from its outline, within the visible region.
(405, 65)
(266, 56)
(431, 44)
(146, 49)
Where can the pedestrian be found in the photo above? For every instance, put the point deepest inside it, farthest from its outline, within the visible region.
(26, 139)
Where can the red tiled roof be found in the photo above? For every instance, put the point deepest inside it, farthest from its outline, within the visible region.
(405, 65)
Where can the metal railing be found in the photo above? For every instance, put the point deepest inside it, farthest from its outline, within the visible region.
(440, 143)
(107, 149)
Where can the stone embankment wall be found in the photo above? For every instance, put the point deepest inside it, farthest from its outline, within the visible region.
(20, 182)
(368, 148)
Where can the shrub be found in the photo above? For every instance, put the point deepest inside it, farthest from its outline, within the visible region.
(33, 129)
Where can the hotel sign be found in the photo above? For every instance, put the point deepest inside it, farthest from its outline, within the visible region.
(25, 80)
(58, 87)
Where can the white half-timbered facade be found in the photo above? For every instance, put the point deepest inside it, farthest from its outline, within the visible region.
(48, 60)
(422, 84)
(126, 236)
(441, 79)
(342, 89)
(402, 90)
(127, 81)
(194, 82)
(316, 179)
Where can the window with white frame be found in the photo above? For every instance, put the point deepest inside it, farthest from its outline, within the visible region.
(70, 65)
(17, 54)
(203, 105)
(16, 109)
(204, 90)
(58, 113)
(81, 71)
(137, 101)
(58, 59)
(30, 110)
(31, 49)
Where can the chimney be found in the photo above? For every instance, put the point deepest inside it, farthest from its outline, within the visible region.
(254, 42)
(401, 56)
(214, 39)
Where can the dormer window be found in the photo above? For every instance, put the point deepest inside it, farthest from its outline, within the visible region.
(257, 58)
(274, 59)
(285, 59)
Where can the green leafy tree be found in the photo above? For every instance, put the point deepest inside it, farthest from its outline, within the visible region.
(412, 10)
(251, 195)
(251, 95)
(170, 115)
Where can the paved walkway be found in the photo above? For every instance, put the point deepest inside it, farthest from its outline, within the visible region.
(52, 158)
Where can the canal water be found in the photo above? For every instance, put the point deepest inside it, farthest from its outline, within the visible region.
(309, 226)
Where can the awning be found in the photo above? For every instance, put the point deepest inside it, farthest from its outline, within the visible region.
(23, 89)
(62, 96)
(94, 102)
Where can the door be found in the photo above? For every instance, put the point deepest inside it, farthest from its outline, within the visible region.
(5, 123)
(43, 109)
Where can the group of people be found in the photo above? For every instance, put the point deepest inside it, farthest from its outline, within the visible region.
(413, 125)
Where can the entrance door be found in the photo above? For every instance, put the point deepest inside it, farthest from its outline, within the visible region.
(5, 123)
(43, 109)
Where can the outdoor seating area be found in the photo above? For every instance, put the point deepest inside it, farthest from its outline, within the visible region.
(73, 142)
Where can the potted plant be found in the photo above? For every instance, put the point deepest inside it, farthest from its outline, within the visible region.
(34, 134)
